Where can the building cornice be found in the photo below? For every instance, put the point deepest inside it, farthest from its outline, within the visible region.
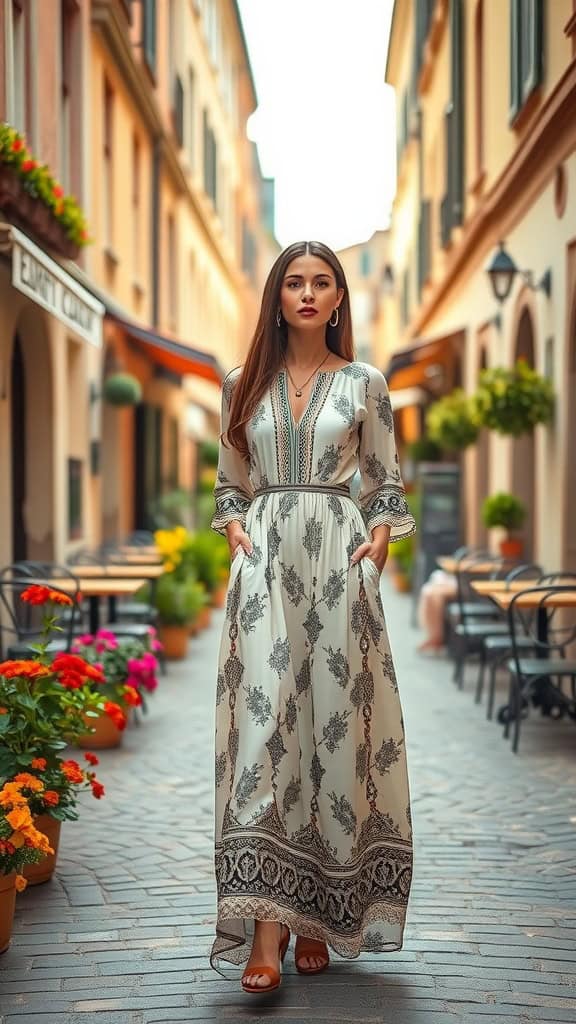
(550, 141)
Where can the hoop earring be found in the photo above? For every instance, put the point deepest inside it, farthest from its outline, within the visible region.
(334, 323)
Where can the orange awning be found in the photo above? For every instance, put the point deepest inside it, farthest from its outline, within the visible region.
(414, 366)
(171, 354)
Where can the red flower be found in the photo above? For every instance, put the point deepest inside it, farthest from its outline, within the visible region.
(58, 191)
(59, 598)
(72, 771)
(29, 165)
(69, 667)
(71, 680)
(132, 697)
(92, 759)
(17, 145)
(97, 788)
(114, 711)
(51, 797)
(36, 594)
(39, 763)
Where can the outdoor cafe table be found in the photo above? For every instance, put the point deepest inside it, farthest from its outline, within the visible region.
(454, 565)
(501, 593)
(117, 571)
(95, 589)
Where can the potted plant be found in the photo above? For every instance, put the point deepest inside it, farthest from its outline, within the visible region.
(451, 421)
(178, 603)
(505, 510)
(50, 787)
(130, 669)
(513, 401)
(21, 844)
(44, 701)
(122, 389)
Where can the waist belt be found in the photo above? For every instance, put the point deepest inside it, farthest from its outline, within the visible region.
(342, 489)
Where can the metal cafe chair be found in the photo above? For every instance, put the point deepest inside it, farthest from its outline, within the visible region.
(495, 649)
(54, 570)
(550, 636)
(472, 627)
(21, 623)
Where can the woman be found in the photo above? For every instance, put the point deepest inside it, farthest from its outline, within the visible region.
(312, 802)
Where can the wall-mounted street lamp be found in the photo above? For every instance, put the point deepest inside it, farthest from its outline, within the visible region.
(502, 271)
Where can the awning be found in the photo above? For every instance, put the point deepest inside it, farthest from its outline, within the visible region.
(44, 281)
(421, 364)
(171, 354)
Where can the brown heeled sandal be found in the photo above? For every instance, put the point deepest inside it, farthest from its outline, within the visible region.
(310, 948)
(274, 976)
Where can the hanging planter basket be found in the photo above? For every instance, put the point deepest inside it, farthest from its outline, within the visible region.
(122, 389)
(513, 401)
(450, 422)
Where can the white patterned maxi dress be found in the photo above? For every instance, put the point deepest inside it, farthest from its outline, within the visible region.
(312, 823)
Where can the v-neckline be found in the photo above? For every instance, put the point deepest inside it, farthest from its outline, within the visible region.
(296, 425)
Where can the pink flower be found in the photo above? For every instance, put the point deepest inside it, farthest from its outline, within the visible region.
(150, 683)
(157, 646)
(133, 681)
(152, 630)
(149, 662)
(84, 641)
(134, 666)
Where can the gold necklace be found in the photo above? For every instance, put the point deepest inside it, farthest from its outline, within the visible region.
(298, 390)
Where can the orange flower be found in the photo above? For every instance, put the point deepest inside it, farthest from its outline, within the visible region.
(59, 598)
(27, 781)
(114, 711)
(72, 771)
(39, 763)
(27, 668)
(51, 797)
(3, 711)
(20, 883)
(19, 818)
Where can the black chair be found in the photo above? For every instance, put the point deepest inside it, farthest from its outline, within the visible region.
(21, 623)
(477, 617)
(531, 677)
(495, 649)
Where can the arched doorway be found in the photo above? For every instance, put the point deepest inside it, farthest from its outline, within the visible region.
(524, 448)
(111, 457)
(31, 442)
(569, 559)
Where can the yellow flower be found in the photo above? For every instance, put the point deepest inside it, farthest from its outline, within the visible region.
(20, 883)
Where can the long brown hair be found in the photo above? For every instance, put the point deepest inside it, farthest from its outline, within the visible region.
(264, 357)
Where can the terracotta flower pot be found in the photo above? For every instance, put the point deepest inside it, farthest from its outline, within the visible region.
(511, 548)
(402, 582)
(7, 906)
(44, 869)
(219, 596)
(204, 616)
(107, 734)
(175, 640)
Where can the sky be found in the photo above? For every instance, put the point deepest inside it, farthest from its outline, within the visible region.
(324, 124)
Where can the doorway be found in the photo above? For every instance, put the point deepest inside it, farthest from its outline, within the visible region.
(19, 452)
(524, 448)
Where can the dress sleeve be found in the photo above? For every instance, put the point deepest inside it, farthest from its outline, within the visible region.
(381, 497)
(233, 490)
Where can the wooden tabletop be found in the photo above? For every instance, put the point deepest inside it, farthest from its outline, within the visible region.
(101, 587)
(453, 565)
(140, 549)
(117, 570)
(565, 599)
(488, 587)
(142, 559)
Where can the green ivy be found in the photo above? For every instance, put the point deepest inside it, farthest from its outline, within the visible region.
(513, 401)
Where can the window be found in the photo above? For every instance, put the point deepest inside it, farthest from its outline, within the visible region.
(74, 499)
(479, 87)
(423, 245)
(108, 163)
(172, 290)
(67, 27)
(365, 262)
(19, 70)
(452, 207)
(190, 117)
(210, 160)
(178, 111)
(526, 51)
(149, 33)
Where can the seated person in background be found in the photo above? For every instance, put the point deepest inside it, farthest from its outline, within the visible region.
(439, 588)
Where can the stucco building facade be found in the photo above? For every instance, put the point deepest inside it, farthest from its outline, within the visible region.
(487, 153)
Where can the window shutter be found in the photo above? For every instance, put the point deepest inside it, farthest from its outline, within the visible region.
(532, 41)
(179, 110)
(423, 244)
(457, 117)
(149, 33)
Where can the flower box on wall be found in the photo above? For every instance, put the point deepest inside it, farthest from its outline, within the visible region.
(32, 216)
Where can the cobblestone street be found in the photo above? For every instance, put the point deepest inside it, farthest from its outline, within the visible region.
(121, 934)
